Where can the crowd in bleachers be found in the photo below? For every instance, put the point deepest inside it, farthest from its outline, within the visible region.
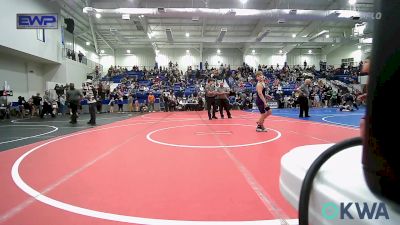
(173, 87)
(177, 90)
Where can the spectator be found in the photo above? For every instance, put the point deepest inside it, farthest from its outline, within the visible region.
(61, 108)
(130, 103)
(73, 97)
(111, 104)
(80, 56)
(21, 109)
(151, 99)
(304, 93)
(36, 104)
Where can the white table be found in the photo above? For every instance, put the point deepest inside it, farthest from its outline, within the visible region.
(340, 179)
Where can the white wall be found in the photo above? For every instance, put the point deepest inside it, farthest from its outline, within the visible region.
(146, 57)
(265, 57)
(347, 51)
(107, 61)
(76, 72)
(26, 40)
(233, 57)
(179, 56)
(138, 57)
(68, 72)
(273, 57)
(298, 56)
(24, 78)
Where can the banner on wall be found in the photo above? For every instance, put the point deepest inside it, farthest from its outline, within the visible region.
(37, 21)
(273, 104)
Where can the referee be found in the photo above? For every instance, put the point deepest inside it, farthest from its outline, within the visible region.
(210, 98)
(222, 99)
(304, 91)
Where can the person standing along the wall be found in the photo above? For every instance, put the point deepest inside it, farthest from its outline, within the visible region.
(47, 105)
(37, 104)
(92, 106)
(130, 103)
(304, 91)
(151, 99)
(61, 108)
(80, 56)
(73, 97)
(120, 104)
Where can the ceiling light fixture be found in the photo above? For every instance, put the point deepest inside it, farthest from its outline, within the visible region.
(128, 51)
(98, 15)
(187, 35)
(87, 43)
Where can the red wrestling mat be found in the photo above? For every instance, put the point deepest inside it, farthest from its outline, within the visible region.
(161, 168)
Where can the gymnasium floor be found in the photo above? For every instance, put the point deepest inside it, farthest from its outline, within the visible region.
(158, 168)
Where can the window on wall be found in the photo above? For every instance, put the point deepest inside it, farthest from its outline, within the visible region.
(40, 35)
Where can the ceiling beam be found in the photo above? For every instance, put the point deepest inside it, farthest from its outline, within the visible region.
(75, 14)
(92, 29)
(329, 48)
(311, 27)
(257, 29)
(105, 41)
(288, 48)
(237, 40)
(203, 27)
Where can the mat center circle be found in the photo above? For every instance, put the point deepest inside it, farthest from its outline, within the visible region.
(201, 135)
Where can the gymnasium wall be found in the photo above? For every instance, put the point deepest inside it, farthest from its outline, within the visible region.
(26, 40)
(298, 56)
(273, 57)
(347, 51)
(147, 57)
(24, 78)
(228, 56)
(138, 57)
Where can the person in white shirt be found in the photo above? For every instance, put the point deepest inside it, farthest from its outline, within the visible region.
(92, 106)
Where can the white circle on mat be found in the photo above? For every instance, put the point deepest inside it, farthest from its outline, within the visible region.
(33, 136)
(148, 136)
(111, 216)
